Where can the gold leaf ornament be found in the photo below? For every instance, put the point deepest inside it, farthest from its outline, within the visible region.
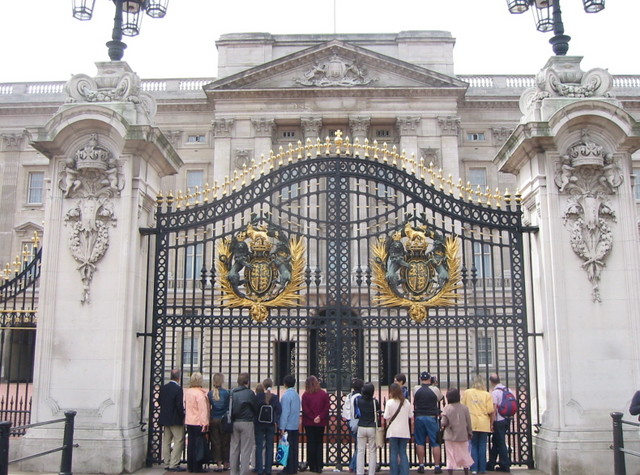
(417, 309)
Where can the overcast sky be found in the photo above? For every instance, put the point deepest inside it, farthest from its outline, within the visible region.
(41, 41)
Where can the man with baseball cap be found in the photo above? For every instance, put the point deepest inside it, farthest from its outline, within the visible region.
(426, 409)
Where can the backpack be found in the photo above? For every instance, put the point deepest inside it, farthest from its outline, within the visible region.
(355, 414)
(508, 405)
(265, 414)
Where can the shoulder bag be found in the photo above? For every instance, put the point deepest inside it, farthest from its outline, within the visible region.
(392, 419)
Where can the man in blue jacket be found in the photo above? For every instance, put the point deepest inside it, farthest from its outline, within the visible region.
(172, 420)
(290, 421)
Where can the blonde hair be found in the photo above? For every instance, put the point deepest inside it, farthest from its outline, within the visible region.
(218, 379)
(478, 383)
(196, 380)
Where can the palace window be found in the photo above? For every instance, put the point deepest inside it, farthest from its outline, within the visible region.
(285, 360)
(195, 178)
(289, 134)
(390, 361)
(636, 184)
(196, 138)
(382, 133)
(35, 188)
(484, 350)
(482, 260)
(475, 136)
(193, 261)
(191, 351)
(477, 177)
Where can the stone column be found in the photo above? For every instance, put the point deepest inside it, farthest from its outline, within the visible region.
(106, 162)
(449, 132)
(223, 166)
(572, 158)
(10, 146)
(408, 128)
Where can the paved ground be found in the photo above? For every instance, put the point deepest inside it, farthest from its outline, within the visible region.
(159, 470)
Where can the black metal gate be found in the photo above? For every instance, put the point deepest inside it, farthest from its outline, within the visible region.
(341, 199)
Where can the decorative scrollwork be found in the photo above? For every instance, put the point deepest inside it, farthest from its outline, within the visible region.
(261, 268)
(411, 274)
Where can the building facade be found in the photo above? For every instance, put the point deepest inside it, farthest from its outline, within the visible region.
(118, 149)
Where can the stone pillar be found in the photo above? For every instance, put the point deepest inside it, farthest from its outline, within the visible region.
(449, 132)
(223, 166)
(408, 128)
(106, 162)
(572, 158)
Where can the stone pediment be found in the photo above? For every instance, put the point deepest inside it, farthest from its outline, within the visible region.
(335, 64)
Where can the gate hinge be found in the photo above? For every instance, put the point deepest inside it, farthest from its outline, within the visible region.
(139, 334)
(530, 229)
(148, 231)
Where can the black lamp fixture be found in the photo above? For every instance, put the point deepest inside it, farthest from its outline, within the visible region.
(126, 22)
(548, 17)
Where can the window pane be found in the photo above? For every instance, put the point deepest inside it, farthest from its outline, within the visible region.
(36, 184)
(636, 186)
(477, 176)
(193, 261)
(482, 260)
(195, 178)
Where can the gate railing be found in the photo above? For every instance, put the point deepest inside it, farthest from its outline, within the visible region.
(67, 447)
(619, 464)
(19, 285)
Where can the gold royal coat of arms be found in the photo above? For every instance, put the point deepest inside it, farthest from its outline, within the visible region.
(260, 267)
(416, 267)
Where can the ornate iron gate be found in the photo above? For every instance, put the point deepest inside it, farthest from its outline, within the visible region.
(341, 199)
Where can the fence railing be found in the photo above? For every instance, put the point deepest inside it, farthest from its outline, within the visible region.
(66, 458)
(619, 464)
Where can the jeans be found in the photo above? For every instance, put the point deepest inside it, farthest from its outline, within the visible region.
(193, 433)
(499, 450)
(479, 451)
(353, 463)
(264, 443)
(366, 438)
(398, 450)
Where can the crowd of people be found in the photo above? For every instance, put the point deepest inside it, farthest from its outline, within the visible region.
(235, 429)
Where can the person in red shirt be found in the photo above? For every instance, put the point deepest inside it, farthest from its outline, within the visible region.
(315, 417)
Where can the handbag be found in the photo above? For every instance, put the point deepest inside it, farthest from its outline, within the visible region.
(282, 454)
(227, 420)
(381, 433)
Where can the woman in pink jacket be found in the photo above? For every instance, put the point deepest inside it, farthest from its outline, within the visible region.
(315, 417)
(196, 405)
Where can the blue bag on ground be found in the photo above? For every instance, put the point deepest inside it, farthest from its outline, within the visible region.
(283, 451)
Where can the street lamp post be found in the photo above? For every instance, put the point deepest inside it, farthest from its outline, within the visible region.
(548, 17)
(126, 22)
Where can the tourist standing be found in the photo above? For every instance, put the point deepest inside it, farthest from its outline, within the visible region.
(397, 413)
(290, 421)
(499, 452)
(456, 422)
(172, 420)
(480, 404)
(219, 401)
(426, 407)
(243, 411)
(368, 407)
(315, 417)
(197, 420)
(265, 426)
(349, 415)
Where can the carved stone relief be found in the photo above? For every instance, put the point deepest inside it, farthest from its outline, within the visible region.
(449, 125)
(311, 127)
(110, 86)
(408, 125)
(91, 177)
(589, 175)
(222, 127)
(430, 156)
(337, 71)
(12, 141)
(264, 127)
(242, 157)
(359, 126)
(500, 134)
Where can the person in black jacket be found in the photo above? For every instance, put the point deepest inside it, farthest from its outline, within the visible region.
(244, 408)
(634, 408)
(172, 420)
(265, 427)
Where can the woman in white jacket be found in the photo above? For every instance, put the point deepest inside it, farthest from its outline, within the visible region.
(397, 413)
